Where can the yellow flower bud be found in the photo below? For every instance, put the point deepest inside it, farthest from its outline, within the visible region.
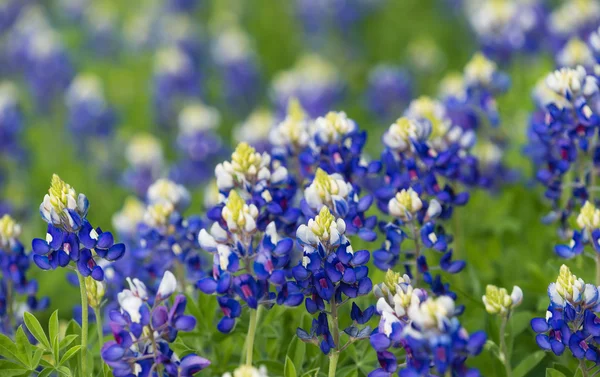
(95, 291)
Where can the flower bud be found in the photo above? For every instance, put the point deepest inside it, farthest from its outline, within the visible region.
(95, 291)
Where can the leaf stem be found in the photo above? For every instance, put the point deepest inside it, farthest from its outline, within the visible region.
(335, 329)
(84, 324)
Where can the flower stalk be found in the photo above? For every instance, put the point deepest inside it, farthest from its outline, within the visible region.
(84, 324)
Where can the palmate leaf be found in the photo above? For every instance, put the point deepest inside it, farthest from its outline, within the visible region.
(53, 328)
(69, 354)
(34, 327)
(8, 349)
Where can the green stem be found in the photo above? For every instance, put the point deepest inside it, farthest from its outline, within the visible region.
(84, 324)
(250, 337)
(415, 233)
(335, 330)
(9, 302)
(333, 360)
(99, 326)
(583, 368)
(503, 348)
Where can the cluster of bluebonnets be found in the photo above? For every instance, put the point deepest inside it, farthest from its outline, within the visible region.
(298, 213)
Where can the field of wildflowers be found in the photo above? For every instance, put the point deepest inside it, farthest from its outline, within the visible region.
(300, 188)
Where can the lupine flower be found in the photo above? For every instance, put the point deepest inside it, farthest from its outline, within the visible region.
(144, 155)
(89, 116)
(14, 285)
(571, 320)
(572, 18)
(164, 238)
(234, 55)
(425, 327)
(175, 79)
(313, 81)
(95, 291)
(48, 69)
(255, 130)
(561, 136)
(474, 114)
(11, 123)
(127, 219)
(102, 27)
(389, 90)
(264, 181)
(333, 192)
(504, 28)
(329, 270)
(247, 261)
(498, 301)
(198, 143)
(144, 329)
(71, 239)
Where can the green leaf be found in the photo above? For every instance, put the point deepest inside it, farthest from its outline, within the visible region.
(64, 371)
(46, 372)
(528, 364)
(34, 327)
(69, 354)
(67, 340)
(10, 369)
(8, 348)
(53, 328)
(24, 351)
(311, 373)
(289, 370)
(296, 352)
(579, 373)
(550, 372)
(37, 356)
(562, 368)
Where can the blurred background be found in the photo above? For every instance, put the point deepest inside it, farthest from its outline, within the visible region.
(109, 95)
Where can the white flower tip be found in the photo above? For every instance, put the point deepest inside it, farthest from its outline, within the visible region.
(168, 285)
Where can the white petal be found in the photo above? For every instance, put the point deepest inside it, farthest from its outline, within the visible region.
(167, 286)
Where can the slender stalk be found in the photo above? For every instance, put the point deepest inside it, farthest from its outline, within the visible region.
(415, 233)
(333, 360)
(583, 368)
(335, 329)
(503, 348)
(99, 325)
(9, 303)
(84, 324)
(250, 336)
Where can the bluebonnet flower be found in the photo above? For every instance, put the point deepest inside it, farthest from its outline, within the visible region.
(333, 192)
(11, 123)
(421, 150)
(143, 330)
(498, 301)
(102, 29)
(571, 321)
(198, 144)
(14, 285)
(182, 31)
(70, 238)
(9, 13)
(90, 117)
(473, 108)
(144, 156)
(47, 66)
(329, 270)
(237, 62)
(332, 142)
(165, 239)
(389, 90)
(425, 328)
(248, 261)
(256, 130)
(425, 55)
(264, 181)
(563, 136)
(504, 28)
(576, 52)
(175, 79)
(572, 18)
(313, 81)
